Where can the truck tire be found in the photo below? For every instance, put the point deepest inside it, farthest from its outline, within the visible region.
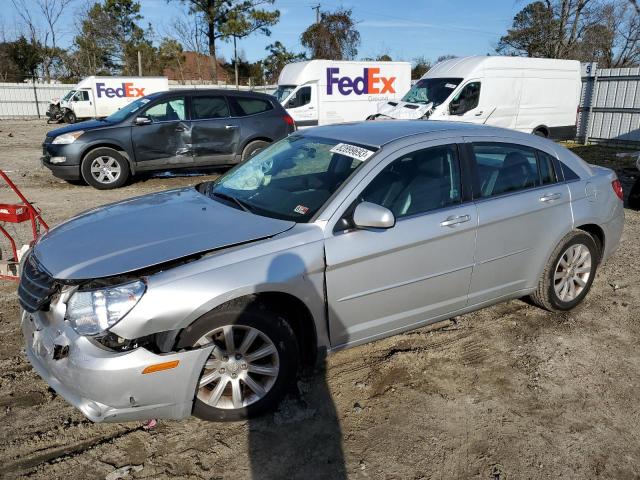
(69, 117)
(569, 273)
(252, 148)
(254, 364)
(539, 132)
(105, 168)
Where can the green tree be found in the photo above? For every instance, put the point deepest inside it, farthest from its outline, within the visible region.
(334, 37)
(533, 32)
(26, 56)
(217, 13)
(111, 37)
(420, 66)
(170, 55)
(243, 22)
(276, 59)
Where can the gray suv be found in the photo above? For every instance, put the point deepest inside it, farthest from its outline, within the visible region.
(206, 300)
(166, 130)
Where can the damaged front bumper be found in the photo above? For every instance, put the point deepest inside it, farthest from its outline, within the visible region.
(109, 386)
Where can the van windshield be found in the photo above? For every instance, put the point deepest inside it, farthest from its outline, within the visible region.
(428, 90)
(127, 110)
(291, 179)
(68, 95)
(283, 91)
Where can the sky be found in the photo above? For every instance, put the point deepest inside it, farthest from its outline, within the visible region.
(403, 29)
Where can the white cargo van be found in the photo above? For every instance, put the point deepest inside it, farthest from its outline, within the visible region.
(319, 92)
(96, 97)
(533, 95)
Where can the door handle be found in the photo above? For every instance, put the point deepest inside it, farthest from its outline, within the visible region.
(479, 113)
(455, 220)
(230, 127)
(311, 108)
(550, 197)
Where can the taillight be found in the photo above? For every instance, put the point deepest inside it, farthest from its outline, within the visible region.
(617, 187)
(289, 121)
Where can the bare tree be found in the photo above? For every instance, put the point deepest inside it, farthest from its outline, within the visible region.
(50, 12)
(192, 36)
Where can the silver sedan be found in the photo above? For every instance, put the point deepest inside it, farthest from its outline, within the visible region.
(207, 300)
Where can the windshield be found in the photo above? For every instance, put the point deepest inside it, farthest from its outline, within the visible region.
(127, 110)
(428, 90)
(292, 179)
(68, 95)
(283, 91)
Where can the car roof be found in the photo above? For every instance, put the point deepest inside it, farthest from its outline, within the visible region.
(382, 132)
(216, 91)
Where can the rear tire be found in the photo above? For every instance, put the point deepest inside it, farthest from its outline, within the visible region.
(252, 148)
(105, 168)
(540, 133)
(240, 386)
(569, 273)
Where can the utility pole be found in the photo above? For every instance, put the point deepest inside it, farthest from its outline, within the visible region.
(317, 9)
(139, 63)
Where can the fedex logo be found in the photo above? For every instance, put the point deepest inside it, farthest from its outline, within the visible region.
(370, 82)
(127, 90)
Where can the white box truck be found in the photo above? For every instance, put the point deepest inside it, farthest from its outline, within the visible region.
(96, 97)
(533, 95)
(319, 92)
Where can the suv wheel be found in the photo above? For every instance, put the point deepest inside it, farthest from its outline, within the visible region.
(254, 362)
(105, 168)
(252, 148)
(569, 273)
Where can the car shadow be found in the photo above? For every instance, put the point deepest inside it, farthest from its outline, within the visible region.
(302, 438)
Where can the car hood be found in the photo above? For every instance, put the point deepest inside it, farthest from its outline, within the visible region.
(86, 126)
(147, 231)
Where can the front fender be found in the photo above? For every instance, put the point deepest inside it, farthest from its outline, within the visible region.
(175, 298)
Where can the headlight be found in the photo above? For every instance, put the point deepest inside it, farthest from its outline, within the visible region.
(67, 138)
(94, 311)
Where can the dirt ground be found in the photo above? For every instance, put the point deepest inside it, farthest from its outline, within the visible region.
(509, 392)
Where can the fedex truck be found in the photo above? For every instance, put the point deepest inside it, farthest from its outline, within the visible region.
(96, 97)
(533, 95)
(319, 92)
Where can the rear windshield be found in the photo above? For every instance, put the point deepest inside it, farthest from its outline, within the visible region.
(292, 179)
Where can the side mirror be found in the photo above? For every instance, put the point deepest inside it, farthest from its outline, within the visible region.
(453, 108)
(143, 121)
(370, 215)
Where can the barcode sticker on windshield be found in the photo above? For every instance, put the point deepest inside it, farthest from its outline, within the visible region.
(352, 151)
(450, 85)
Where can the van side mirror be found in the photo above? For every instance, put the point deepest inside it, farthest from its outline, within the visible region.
(143, 121)
(454, 108)
(370, 215)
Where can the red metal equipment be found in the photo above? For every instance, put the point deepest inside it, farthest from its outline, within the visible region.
(17, 213)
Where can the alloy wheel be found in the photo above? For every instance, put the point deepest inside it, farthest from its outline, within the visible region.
(105, 169)
(241, 369)
(572, 272)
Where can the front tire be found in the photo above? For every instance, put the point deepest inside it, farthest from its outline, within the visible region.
(105, 168)
(634, 196)
(569, 273)
(253, 364)
(70, 117)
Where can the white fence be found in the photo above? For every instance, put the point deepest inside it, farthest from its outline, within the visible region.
(24, 100)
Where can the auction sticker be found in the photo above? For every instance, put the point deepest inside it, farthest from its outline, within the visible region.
(301, 209)
(352, 151)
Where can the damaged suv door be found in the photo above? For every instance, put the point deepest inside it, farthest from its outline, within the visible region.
(161, 135)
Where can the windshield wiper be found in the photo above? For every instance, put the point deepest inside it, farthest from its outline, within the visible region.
(243, 206)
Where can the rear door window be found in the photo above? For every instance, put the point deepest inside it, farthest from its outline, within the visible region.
(209, 107)
(244, 106)
(505, 168)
